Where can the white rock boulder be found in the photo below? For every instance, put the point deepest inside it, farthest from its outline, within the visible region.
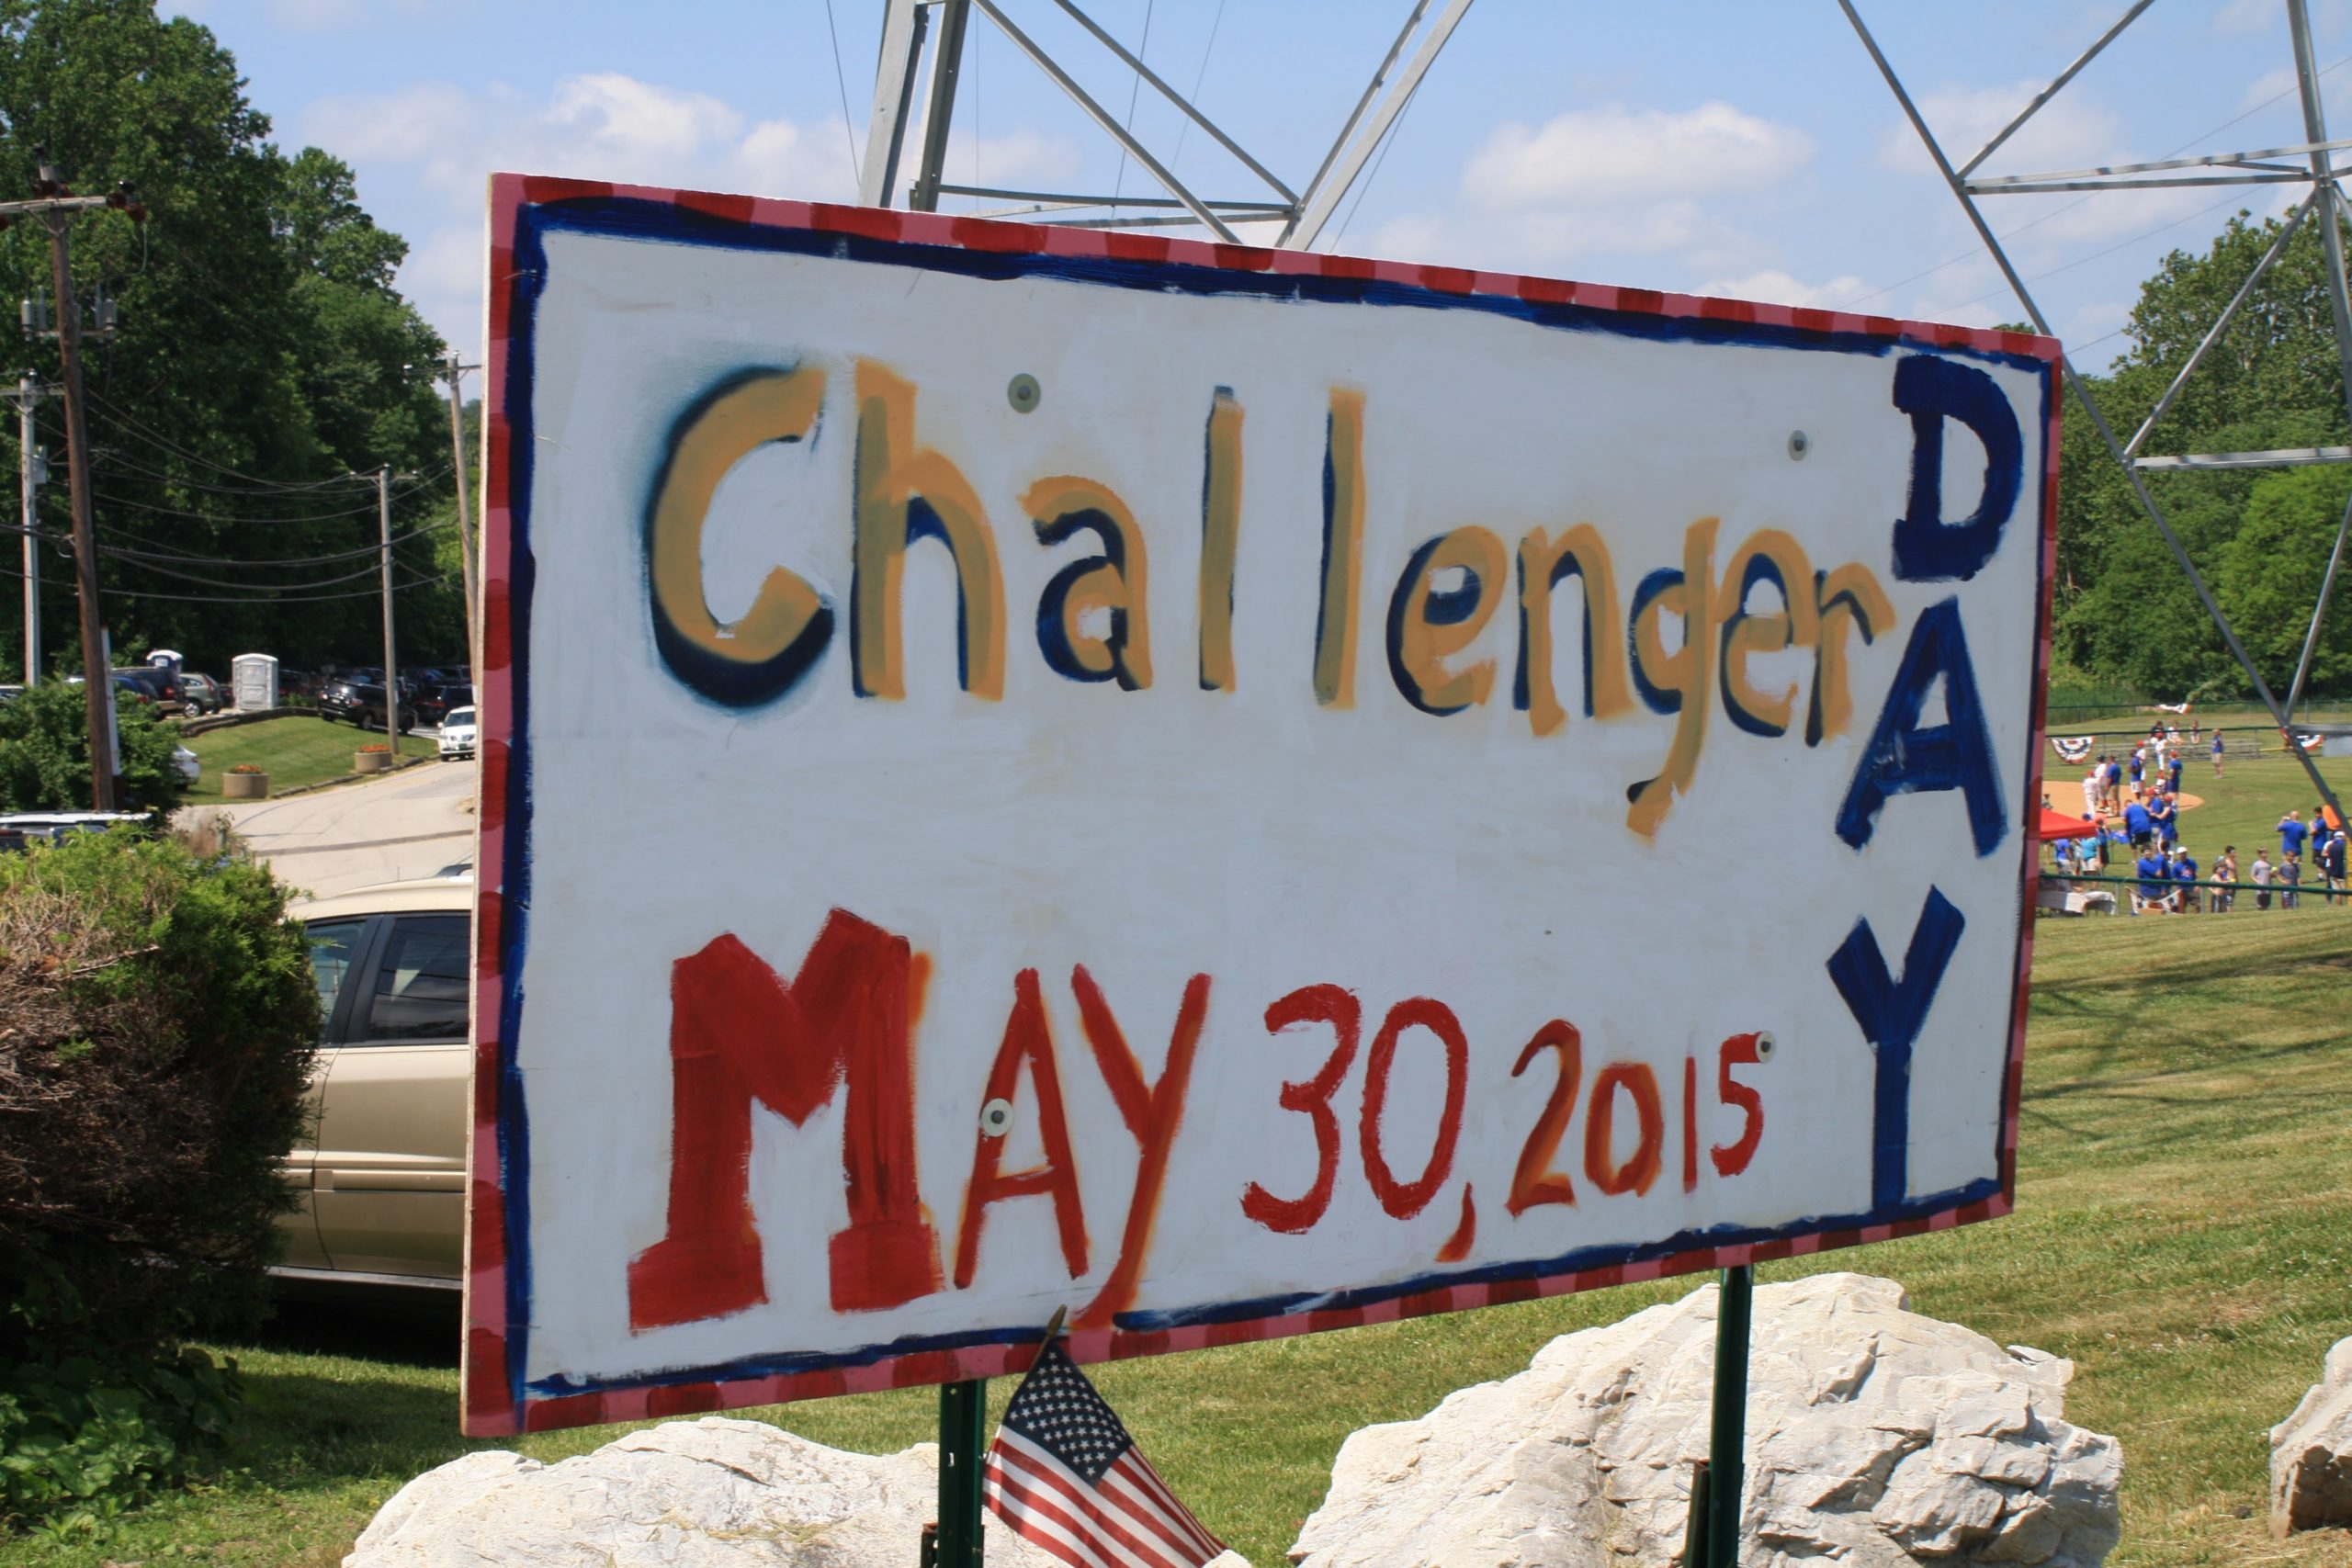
(2311, 1452)
(1876, 1438)
(708, 1493)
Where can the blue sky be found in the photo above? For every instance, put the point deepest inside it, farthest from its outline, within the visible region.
(1743, 148)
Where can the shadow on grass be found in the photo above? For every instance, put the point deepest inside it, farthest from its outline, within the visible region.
(425, 1333)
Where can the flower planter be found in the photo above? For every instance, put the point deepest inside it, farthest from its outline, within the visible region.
(245, 786)
(371, 762)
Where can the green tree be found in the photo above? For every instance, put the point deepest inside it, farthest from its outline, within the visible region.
(45, 753)
(2271, 573)
(2125, 611)
(260, 357)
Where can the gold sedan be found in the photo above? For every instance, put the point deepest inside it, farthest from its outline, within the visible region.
(383, 1182)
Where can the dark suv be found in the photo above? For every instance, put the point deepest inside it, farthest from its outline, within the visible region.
(362, 702)
(433, 703)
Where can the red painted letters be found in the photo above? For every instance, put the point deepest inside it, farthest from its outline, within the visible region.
(1731, 1159)
(1338, 1007)
(738, 1034)
(1152, 1114)
(1535, 1182)
(1027, 1038)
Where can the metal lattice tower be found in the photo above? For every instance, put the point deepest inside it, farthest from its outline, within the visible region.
(2308, 162)
(912, 29)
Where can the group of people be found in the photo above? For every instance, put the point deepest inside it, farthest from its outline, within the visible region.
(2145, 795)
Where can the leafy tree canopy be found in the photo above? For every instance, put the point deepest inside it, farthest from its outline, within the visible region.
(2260, 537)
(262, 358)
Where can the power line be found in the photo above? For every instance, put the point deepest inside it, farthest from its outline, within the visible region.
(1395, 129)
(158, 439)
(368, 570)
(1143, 51)
(2094, 255)
(1184, 128)
(446, 577)
(163, 552)
(849, 132)
(163, 510)
(1974, 252)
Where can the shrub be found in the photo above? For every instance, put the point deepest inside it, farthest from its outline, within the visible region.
(248, 768)
(375, 746)
(157, 1020)
(45, 753)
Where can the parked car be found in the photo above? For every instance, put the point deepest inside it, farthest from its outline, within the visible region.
(138, 691)
(434, 703)
(383, 1184)
(162, 686)
(20, 829)
(201, 694)
(457, 734)
(189, 764)
(363, 703)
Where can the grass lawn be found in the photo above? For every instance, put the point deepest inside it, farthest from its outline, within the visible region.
(298, 750)
(2184, 1233)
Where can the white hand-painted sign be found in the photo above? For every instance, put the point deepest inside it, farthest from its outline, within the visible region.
(1233, 792)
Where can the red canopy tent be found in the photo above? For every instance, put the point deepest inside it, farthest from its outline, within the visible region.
(2058, 825)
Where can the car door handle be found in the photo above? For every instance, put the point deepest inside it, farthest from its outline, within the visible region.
(348, 1180)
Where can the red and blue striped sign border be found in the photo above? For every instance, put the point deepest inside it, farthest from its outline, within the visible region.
(493, 1403)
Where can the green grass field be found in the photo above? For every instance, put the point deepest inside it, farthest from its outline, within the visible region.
(296, 750)
(2183, 1233)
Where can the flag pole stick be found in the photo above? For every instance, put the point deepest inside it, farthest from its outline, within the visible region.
(955, 1541)
(1734, 1304)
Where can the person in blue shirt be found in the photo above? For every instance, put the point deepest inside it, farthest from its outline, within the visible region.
(2216, 754)
(2138, 824)
(2184, 871)
(2292, 833)
(2172, 772)
(2165, 815)
(2139, 766)
(2154, 880)
(2112, 775)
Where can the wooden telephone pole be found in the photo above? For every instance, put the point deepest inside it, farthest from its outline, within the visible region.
(56, 207)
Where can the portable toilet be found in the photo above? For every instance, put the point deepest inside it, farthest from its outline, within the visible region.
(254, 678)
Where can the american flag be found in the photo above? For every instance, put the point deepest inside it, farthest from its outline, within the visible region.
(1065, 1474)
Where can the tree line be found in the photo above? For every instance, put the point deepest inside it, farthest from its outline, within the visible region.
(262, 357)
(2125, 613)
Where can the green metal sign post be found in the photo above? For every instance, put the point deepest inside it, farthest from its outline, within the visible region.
(963, 1433)
(1735, 1306)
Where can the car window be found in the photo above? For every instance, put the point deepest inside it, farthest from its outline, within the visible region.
(419, 982)
(459, 716)
(334, 944)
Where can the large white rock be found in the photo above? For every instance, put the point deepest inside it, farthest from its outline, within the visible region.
(1876, 1437)
(708, 1493)
(2311, 1452)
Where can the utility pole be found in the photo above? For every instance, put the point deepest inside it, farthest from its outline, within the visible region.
(57, 206)
(392, 672)
(32, 472)
(465, 514)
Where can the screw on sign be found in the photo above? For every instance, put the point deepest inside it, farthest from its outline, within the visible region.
(1393, 793)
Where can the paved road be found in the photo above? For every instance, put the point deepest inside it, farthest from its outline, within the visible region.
(410, 824)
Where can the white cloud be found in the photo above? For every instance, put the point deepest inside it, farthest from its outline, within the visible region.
(2075, 130)
(1773, 287)
(2071, 129)
(2238, 19)
(602, 125)
(1615, 154)
(1606, 182)
(2267, 88)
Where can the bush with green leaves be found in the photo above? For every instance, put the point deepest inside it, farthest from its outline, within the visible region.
(45, 753)
(157, 1029)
